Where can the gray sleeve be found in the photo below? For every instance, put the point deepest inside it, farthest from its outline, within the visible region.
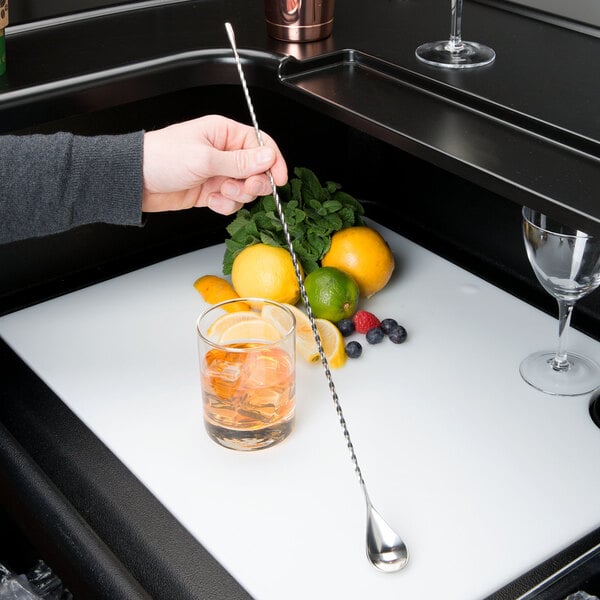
(51, 183)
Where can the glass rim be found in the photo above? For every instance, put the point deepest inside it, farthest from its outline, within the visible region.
(249, 300)
(577, 234)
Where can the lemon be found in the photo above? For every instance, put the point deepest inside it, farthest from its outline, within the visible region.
(226, 321)
(250, 330)
(277, 317)
(331, 340)
(305, 339)
(263, 271)
(362, 253)
(216, 289)
(332, 294)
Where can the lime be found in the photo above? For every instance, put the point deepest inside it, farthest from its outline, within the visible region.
(332, 294)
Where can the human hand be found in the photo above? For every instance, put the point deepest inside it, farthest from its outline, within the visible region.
(210, 161)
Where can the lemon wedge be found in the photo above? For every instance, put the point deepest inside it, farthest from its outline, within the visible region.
(331, 339)
(278, 317)
(306, 346)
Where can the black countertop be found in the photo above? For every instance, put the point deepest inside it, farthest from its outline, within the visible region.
(525, 127)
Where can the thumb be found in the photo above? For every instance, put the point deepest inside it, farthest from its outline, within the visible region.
(241, 164)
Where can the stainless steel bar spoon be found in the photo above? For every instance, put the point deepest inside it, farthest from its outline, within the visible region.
(385, 548)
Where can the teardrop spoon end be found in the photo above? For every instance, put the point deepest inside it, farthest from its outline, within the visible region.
(392, 561)
(385, 548)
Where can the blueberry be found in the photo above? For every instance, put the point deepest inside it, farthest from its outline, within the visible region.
(375, 335)
(398, 335)
(353, 349)
(346, 327)
(388, 325)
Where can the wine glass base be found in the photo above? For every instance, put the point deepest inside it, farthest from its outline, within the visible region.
(464, 55)
(582, 377)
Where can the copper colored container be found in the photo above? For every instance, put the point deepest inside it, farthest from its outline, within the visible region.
(3, 25)
(299, 20)
(3, 14)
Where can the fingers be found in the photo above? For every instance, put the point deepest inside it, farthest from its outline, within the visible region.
(248, 190)
(222, 205)
(244, 163)
(210, 161)
(235, 154)
(278, 168)
(233, 194)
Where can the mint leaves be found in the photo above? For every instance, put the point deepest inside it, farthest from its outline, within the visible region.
(312, 212)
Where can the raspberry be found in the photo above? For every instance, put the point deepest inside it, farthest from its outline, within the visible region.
(364, 320)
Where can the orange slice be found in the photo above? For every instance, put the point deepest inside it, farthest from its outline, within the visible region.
(215, 289)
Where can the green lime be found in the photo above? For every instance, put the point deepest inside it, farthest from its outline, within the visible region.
(332, 294)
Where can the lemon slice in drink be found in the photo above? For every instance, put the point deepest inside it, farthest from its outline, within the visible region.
(227, 320)
(250, 330)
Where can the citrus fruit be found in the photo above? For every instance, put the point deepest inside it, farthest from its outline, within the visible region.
(224, 322)
(251, 329)
(278, 317)
(263, 271)
(332, 294)
(364, 254)
(331, 339)
(332, 342)
(216, 289)
(305, 339)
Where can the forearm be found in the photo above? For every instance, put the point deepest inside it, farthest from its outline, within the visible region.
(51, 183)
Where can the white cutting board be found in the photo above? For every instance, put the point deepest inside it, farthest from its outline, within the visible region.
(482, 475)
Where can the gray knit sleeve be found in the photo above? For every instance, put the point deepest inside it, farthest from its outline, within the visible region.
(51, 183)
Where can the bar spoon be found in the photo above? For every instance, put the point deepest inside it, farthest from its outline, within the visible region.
(385, 548)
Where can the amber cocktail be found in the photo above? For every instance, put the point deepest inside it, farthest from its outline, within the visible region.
(247, 370)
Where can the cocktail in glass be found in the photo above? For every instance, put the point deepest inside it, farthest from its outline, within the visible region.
(247, 371)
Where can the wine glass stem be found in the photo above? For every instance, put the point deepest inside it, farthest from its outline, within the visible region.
(560, 361)
(455, 41)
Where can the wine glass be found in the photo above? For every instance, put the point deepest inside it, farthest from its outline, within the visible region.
(455, 53)
(566, 262)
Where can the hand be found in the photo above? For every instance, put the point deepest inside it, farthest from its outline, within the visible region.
(211, 161)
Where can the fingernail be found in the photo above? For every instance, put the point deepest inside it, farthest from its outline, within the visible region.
(265, 156)
(254, 187)
(230, 189)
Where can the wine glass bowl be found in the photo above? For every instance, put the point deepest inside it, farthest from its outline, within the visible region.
(566, 262)
(455, 53)
(569, 273)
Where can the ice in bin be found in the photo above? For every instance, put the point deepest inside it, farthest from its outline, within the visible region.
(39, 583)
